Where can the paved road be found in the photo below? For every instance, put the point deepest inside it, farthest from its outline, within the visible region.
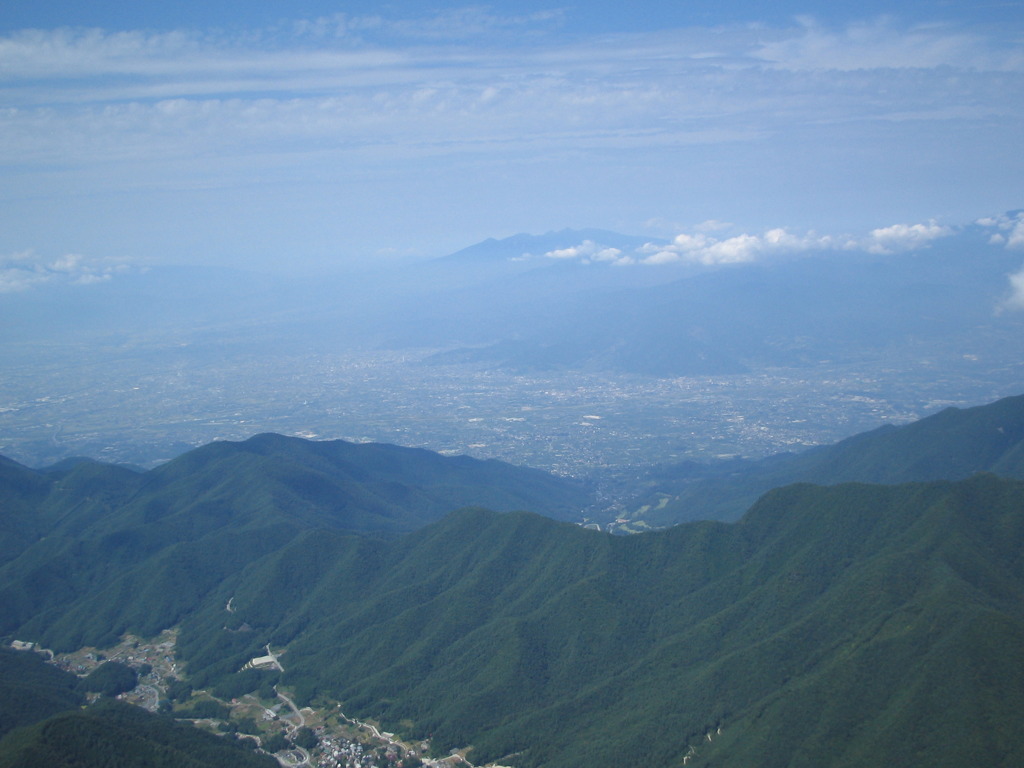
(290, 703)
(294, 727)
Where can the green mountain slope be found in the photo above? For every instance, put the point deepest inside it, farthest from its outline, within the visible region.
(110, 733)
(23, 493)
(949, 445)
(830, 624)
(31, 690)
(96, 550)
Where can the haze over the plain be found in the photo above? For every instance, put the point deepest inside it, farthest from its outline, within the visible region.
(569, 236)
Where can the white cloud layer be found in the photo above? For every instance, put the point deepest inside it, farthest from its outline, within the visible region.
(1015, 301)
(703, 249)
(590, 252)
(903, 237)
(1009, 232)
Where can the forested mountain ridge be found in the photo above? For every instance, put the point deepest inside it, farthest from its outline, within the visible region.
(362, 487)
(162, 539)
(516, 633)
(880, 605)
(110, 733)
(31, 690)
(949, 445)
(828, 626)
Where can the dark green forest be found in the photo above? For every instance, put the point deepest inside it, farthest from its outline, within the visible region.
(109, 679)
(96, 550)
(110, 734)
(831, 625)
(31, 690)
(522, 635)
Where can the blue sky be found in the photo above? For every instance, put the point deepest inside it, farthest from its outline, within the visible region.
(315, 134)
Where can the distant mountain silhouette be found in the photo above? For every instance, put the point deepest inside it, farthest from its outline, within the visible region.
(502, 303)
(690, 318)
(523, 245)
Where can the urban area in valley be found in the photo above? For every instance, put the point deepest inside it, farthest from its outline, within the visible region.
(144, 406)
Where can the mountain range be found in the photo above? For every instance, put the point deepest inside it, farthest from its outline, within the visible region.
(80, 530)
(536, 302)
(514, 308)
(838, 625)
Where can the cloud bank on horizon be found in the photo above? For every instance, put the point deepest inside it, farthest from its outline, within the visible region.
(701, 248)
(328, 138)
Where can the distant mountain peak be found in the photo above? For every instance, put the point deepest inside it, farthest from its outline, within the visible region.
(519, 245)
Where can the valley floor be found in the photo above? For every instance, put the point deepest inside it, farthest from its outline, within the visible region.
(124, 410)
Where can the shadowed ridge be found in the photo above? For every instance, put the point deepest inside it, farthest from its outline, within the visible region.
(952, 444)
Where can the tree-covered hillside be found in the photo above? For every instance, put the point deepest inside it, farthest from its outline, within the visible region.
(110, 733)
(95, 550)
(828, 625)
(31, 690)
(840, 626)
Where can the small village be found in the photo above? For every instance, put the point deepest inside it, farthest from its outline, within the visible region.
(294, 736)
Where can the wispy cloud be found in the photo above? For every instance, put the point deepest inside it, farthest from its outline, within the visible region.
(589, 252)
(884, 44)
(346, 104)
(25, 270)
(345, 82)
